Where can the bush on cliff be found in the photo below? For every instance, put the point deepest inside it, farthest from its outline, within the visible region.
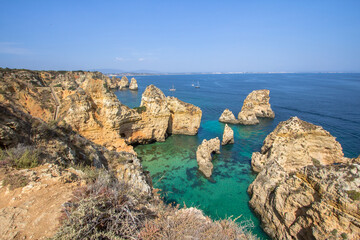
(109, 209)
(19, 157)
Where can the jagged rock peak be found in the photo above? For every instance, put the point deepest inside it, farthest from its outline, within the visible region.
(124, 82)
(152, 94)
(228, 136)
(133, 84)
(185, 117)
(203, 155)
(295, 143)
(300, 193)
(228, 117)
(256, 105)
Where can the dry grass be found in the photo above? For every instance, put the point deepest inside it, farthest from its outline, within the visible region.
(108, 209)
(19, 157)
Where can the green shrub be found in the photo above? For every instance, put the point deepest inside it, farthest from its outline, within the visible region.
(20, 157)
(58, 85)
(15, 181)
(140, 109)
(354, 195)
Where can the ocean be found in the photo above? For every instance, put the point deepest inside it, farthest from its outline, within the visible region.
(329, 100)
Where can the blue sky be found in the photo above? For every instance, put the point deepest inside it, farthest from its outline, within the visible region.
(181, 36)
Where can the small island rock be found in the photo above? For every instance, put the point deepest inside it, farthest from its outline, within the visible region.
(228, 117)
(133, 84)
(228, 136)
(124, 83)
(256, 105)
(203, 155)
(306, 188)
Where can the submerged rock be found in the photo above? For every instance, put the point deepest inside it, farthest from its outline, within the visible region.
(256, 105)
(228, 136)
(306, 188)
(228, 117)
(133, 84)
(203, 155)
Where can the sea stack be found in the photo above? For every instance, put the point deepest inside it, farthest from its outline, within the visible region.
(158, 116)
(203, 155)
(256, 105)
(124, 83)
(133, 85)
(185, 118)
(228, 136)
(228, 117)
(306, 188)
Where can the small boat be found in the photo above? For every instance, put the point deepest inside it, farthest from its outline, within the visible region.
(172, 89)
(197, 85)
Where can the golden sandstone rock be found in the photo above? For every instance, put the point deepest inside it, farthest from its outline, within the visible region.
(306, 188)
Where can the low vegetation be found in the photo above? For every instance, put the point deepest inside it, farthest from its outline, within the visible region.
(140, 109)
(109, 209)
(19, 157)
(15, 181)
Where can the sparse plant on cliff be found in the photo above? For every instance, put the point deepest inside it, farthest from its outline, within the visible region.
(109, 209)
(140, 109)
(15, 181)
(19, 157)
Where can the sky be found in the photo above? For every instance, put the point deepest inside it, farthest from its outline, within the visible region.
(181, 36)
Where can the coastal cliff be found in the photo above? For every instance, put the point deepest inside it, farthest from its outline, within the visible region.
(306, 188)
(160, 116)
(65, 167)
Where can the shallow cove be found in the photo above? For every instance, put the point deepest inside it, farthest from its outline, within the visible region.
(329, 100)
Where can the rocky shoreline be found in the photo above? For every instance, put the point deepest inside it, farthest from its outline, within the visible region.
(71, 122)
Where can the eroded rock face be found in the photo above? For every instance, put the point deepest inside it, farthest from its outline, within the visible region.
(299, 192)
(294, 144)
(185, 118)
(203, 155)
(124, 83)
(228, 117)
(228, 136)
(255, 105)
(160, 116)
(133, 84)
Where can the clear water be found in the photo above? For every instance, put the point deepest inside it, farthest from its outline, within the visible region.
(329, 100)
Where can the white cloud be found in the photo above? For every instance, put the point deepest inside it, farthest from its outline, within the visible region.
(119, 59)
(141, 59)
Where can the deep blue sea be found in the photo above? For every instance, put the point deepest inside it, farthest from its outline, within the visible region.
(329, 100)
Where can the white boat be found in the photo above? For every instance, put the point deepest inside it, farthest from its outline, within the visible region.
(172, 89)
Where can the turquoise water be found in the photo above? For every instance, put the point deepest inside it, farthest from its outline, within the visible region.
(329, 100)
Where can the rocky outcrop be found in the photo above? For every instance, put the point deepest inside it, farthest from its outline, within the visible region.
(124, 83)
(228, 136)
(133, 84)
(305, 188)
(160, 116)
(228, 117)
(184, 119)
(203, 155)
(294, 144)
(255, 105)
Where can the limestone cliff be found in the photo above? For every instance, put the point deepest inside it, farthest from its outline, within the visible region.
(133, 84)
(306, 189)
(228, 117)
(124, 83)
(185, 118)
(203, 155)
(255, 105)
(80, 99)
(160, 116)
(228, 136)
